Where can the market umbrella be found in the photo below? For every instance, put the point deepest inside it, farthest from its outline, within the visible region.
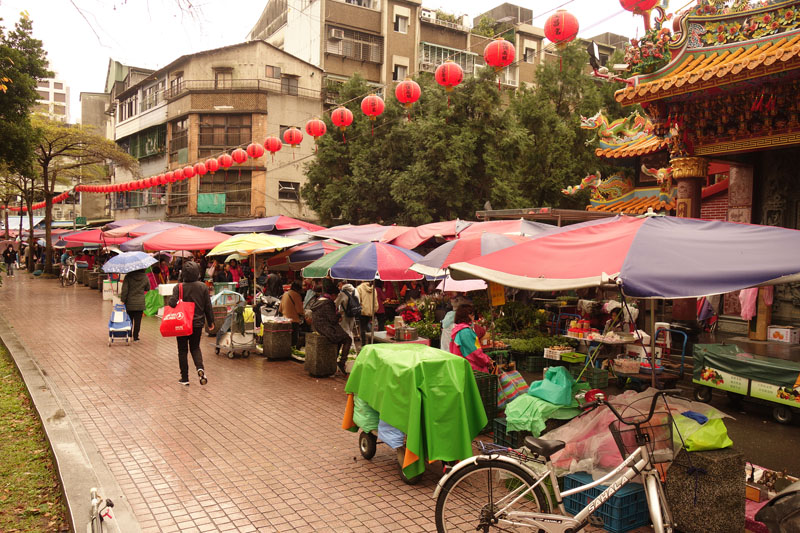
(128, 262)
(436, 262)
(122, 231)
(365, 262)
(92, 236)
(509, 227)
(302, 255)
(448, 229)
(653, 257)
(123, 222)
(360, 234)
(153, 227)
(183, 238)
(136, 244)
(237, 257)
(251, 243)
(449, 284)
(266, 225)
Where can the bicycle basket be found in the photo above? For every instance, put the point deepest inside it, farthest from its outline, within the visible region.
(655, 434)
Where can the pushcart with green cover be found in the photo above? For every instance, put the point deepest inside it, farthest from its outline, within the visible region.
(428, 394)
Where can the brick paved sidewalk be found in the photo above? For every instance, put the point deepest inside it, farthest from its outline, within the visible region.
(260, 448)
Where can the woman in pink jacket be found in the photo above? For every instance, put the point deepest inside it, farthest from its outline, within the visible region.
(464, 341)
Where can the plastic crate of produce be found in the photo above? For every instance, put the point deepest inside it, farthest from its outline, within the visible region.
(487, 386)
(555, 352)
(533, 363)
(597, 377)
(573, 357)
(512, 439)
(625, 510)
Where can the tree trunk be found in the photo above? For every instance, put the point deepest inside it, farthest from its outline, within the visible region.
(30, 264)
(5, 219)
(48, 219)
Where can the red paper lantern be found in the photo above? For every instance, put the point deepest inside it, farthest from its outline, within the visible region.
(407, 92)
(498, 54)
(255, 150)
(292, 137)
(316, 128)
(178, 173)
(449, 74)
(169, 176)
(372, 106)
(562, 27)
(342, 117)
(188, 172)
(225, 161)
(639, 7)
(161, 180)
(200, 169)
(239, 156)
(212, 165)
(273, 144)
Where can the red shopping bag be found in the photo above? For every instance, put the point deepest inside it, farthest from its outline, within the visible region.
(177, 321)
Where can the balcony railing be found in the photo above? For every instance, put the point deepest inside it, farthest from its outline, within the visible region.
(445, 23)
(269, 85)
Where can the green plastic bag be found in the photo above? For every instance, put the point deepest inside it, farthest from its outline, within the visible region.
(713, 435)
(556, 387)
(153, 301)
(365, 416)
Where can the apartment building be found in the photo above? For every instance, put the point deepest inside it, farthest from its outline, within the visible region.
(385, 40)
(53, 99)
(205, 104)
(94, 107)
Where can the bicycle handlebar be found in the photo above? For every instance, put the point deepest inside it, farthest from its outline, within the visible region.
(590, 406)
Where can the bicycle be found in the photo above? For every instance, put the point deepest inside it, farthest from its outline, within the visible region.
(500, 489)
(69, 273)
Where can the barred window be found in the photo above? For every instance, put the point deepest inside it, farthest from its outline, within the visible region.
(178, 202)
(235, 184)
(431, 54)
(289, 190)
(355, 45)
(221, 132)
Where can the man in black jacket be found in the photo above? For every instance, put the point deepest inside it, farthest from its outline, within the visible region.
(194, 291)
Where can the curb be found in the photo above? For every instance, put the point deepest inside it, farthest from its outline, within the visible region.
(79, 465)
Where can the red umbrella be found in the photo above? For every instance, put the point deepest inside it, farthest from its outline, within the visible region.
(509, 227)
(464, 249)
(94, 236)
(184, 238)
(301, 255)
(416, 236)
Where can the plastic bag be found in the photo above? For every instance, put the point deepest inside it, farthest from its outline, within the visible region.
(713, 435)
(391, 435)
(556, 387)
(153, 301)
(511, 385)
(364, 416)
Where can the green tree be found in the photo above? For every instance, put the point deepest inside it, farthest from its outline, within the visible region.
(23, 61)
(65, 152)
(445, 162)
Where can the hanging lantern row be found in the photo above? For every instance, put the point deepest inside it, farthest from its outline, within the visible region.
(40, 205)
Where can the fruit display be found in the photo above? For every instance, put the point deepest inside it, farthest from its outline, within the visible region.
(709, 374)
(778, 335)
(787, 393)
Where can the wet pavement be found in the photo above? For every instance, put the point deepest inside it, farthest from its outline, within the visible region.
(260, 448)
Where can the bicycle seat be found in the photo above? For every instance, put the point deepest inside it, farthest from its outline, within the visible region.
(544, 447)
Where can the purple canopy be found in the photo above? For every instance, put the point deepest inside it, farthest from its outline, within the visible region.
(137, 244)
(154, 227)
(124, 222)
(360, 234)
(266, 225)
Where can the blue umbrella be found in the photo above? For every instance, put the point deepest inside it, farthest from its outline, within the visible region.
(128, 262)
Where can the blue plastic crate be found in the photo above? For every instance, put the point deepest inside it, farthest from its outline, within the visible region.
(625, 510)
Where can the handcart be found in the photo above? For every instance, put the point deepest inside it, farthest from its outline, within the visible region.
(423, 418)
(223, 303)
(669, 364)
(119, 325)
(236, 336)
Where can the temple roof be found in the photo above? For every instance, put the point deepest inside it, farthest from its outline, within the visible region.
(718, 50)
(645, 145)
(635, 206)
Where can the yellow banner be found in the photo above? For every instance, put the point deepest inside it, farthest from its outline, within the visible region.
(497, 294)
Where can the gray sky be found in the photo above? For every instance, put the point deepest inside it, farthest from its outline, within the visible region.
(151, 33)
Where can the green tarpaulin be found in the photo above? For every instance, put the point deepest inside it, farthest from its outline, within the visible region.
(211, 203)
(730, 358)
(428, 394)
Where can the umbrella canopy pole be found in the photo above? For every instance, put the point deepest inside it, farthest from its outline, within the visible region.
(653, 343)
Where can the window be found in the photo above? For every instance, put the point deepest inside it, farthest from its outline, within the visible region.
(363, 3)
(43, 95)
(43, 83)
(234, 185)
(178, 201)
(289, 190)
(273, 72)
(176, 83)
(223, 78)
(282, 131)
(59, 97)
(59, 110)
(58, 85)
(400, 24)
(151, 96)
(530, 55)
(289, 85)
(603, 59)
(400, 72)
(355, 45)
(179, 139)
(220, 132)
(432, 55)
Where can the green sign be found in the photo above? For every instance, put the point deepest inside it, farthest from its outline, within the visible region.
(80, 221)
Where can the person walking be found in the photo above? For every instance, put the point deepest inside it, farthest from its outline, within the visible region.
(9, 258)
(368, 297)
(292, 308)
(194, 291)
(134, 286)
(344, 305)
(325, 321)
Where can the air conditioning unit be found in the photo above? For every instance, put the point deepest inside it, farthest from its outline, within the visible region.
(427, 14)
(337, 34)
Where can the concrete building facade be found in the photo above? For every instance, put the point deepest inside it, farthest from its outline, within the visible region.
(386, 40)
(209, 103)
(53, 99)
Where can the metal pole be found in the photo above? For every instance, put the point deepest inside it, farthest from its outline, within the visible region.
(653, 343)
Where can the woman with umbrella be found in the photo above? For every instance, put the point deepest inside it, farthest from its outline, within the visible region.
(135, 284)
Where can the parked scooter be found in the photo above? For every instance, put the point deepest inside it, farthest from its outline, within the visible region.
(782, 513)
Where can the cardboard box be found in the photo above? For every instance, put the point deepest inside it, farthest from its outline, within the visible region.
(788, 334)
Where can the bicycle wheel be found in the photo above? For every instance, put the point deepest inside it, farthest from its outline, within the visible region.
(470, 500)
(657, 503)
(72, 277)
